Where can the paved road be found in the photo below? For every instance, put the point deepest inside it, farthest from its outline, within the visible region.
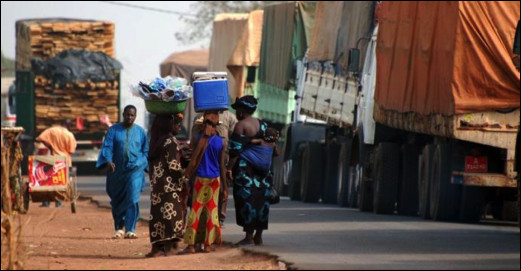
(319, 236)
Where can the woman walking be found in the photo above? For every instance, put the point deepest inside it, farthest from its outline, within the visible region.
(168, 187)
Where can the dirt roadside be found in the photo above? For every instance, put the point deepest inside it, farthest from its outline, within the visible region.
(55, 239)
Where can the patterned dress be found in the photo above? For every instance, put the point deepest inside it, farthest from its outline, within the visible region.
(251, 187)
(167, 192)
(203, 222)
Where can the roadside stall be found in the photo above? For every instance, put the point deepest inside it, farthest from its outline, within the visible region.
(50, 179)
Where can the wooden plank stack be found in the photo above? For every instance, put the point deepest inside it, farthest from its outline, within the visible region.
(88, 100)
(45, 38)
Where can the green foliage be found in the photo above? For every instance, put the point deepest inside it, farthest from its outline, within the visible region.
(7, 66)
(200, 26)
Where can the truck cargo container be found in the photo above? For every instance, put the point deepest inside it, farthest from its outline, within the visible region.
(429, 115)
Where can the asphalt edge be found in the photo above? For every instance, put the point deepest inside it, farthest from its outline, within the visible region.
(283, 265)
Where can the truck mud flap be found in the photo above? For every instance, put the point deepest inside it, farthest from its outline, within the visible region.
(331, 178)
(424, 184)
(296, 173)
(344, 175)
(472, 204)
(312, 172)
(408, 192)
(386, 178)
(444, 196)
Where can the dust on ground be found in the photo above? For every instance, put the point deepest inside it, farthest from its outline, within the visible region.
(54, 238)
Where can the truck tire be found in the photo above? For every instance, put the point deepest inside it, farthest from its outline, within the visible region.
(366, 183)
(366, 195)
(331, 180)
(408, 193)
(445, 197)
(424, 181)
(506, 210)
(352, 201)
(312, 173)
(344, 174)
(472, 204)
(386, 178)
(295, 175)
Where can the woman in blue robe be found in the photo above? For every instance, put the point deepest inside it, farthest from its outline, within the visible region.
(125, 151)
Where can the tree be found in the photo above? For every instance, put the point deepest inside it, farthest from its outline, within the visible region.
(199, 27)
(7, 66)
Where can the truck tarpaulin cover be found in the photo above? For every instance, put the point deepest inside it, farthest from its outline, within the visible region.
(447, 57)
(73, 66)
(246, 52)
(286, 32)
(184, 64)
(277, 36)
(227, 31)
(338, 27)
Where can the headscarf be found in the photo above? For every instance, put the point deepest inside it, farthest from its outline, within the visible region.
(161, 129)
(247, 102)
(60, 140)
(210, 121)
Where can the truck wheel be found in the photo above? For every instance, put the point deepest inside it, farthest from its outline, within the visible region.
(295, 176)
(331, 177)
(366, 195)
(408, 199)
(386, 178)
(354, 179)
(472, 204)
(444, 198)
(344, 174)
(510, 211)
(424, 181)
(366, 183)
(312, 173)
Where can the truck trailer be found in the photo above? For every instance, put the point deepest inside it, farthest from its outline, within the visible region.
(426, 121)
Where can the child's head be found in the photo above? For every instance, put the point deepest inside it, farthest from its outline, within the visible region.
(271, 135)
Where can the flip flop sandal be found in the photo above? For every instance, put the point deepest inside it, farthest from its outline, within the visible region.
(130, 235)
(187, 250)
(118, 234)
(208, 248)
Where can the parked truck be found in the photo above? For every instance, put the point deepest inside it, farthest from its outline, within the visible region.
(426, 124)
(65, 70)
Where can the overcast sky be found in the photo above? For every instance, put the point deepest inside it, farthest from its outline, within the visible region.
(144, 38)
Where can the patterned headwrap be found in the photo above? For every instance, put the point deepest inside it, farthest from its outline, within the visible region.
(247, 101)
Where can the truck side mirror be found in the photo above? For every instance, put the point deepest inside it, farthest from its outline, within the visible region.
(353, 60)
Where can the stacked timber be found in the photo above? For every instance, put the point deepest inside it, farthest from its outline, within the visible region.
(89, 101)
(45, 38)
